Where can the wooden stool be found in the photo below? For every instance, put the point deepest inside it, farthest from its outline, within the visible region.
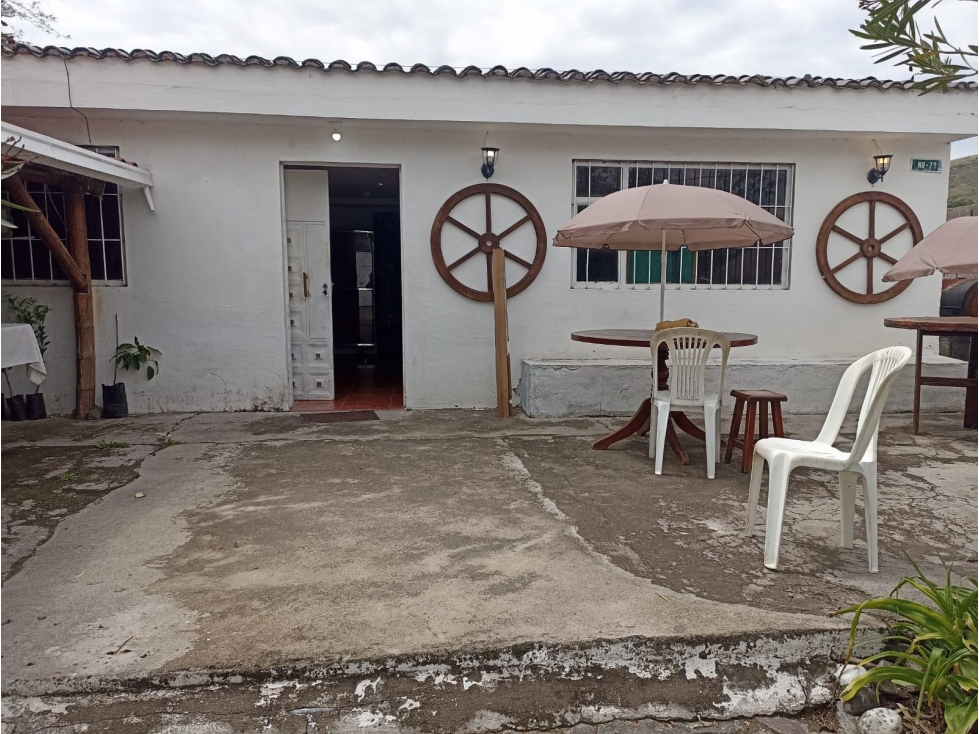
(753, 398)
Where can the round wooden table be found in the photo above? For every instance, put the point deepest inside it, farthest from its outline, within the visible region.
(942, 326)
(639, 423)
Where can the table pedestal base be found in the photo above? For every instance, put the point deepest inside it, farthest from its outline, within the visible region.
(639, 423)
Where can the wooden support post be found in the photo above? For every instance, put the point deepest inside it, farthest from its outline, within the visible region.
(18, 195)
(82, 302)
(501, 335)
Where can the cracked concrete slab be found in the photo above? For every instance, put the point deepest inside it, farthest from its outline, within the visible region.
(393, 425)
(388, 548)
(507, 557)
(43, 485)
(685, 532)
(134, 430)
(83, 599)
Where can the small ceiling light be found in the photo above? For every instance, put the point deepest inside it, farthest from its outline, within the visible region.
(882, 164)
(336, 131)
(489, 161)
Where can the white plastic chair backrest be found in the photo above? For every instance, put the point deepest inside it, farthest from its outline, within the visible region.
(689, 350)
(884, 365)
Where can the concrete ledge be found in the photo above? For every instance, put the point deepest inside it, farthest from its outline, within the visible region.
(552, 388)
(679, 678)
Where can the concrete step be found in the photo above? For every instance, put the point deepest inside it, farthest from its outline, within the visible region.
(532, 687)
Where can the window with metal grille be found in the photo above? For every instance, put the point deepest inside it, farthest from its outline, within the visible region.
(758, 267)
(24, 260)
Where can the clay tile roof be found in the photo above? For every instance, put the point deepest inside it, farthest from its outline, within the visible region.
(571, 75)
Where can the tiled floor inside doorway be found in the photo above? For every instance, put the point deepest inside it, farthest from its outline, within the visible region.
(359, 388)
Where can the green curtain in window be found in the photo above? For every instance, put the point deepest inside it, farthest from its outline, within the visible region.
(643, 267)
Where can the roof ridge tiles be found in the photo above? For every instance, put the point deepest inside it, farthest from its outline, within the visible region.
(645, 78)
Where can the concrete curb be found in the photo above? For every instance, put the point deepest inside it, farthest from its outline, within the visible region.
(676, 678)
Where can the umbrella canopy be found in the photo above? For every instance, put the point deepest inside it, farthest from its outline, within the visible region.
(953, 249)
(699, 218)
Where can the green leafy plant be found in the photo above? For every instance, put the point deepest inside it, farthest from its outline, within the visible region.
(103, 445)
(932, 647)
(166, 442)
(30, 311)
(134, 356)
(17, 13)
(892, 28)
(11, 161)
(67, 476)
(957, 201)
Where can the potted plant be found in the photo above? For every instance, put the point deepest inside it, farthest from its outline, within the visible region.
(130, 357)
(16, 409)
(29, 311)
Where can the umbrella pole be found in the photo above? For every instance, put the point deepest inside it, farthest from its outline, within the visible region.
(662, 278)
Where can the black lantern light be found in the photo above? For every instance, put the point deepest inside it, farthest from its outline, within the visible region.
(489, 161)
(882, 164)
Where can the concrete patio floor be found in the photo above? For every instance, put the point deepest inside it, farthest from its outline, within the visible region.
(432, 571)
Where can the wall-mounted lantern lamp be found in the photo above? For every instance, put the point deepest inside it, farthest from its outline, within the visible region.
(337, 135)
(882, 164)
(489, 161)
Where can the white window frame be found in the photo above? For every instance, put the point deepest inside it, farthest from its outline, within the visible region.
(622, 284)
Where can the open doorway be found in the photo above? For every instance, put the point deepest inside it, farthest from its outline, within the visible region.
(361, 289)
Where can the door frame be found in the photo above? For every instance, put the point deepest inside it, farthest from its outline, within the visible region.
(308, 164)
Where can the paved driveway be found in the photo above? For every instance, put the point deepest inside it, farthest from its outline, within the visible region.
(248, 542)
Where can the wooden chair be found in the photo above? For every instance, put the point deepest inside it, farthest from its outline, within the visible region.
(766, 400)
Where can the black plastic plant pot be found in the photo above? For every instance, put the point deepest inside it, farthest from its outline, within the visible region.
(16, 408)
(35, 407)
(114, 403)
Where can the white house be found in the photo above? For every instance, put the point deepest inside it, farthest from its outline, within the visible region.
(231, 275)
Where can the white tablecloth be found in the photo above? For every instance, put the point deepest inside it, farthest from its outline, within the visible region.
(19, 346)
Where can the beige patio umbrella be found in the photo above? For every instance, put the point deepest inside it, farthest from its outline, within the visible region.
(664, 217)
(952, 249)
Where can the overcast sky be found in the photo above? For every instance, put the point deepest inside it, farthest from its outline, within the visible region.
(776, 37)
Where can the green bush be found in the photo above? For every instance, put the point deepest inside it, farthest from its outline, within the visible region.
(932, 647)
(957, 201)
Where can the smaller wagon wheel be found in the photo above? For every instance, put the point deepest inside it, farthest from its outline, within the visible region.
(869, 248)
(488, 240)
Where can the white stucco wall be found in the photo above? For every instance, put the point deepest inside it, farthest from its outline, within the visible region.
(206, 282)
(205, 272)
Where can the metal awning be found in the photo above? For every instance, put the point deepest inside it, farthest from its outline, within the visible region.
(63, 156)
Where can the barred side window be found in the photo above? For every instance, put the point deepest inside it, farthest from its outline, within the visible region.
(759, 267)
(24, 259)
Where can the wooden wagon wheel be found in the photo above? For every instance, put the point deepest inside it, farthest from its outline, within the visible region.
(488, 240)
(869, 247)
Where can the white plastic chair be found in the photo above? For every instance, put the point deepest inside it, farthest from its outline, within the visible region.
(689, 350)
(785, 454)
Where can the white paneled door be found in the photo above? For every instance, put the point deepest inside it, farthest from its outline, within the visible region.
(310, 287)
